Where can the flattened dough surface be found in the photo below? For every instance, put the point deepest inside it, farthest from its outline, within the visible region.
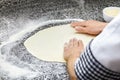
(48, 44)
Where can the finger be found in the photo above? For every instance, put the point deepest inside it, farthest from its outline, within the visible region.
(81, 29)
(80, 44)
(75, 42)
(74, 24)
(71, 43)
(65, 45)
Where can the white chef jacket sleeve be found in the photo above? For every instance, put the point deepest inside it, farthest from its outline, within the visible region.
(106, 46)
(101, 58)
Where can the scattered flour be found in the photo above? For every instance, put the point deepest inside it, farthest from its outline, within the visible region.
(12, 70)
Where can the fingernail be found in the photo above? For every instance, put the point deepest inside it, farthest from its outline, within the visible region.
(75, 38)
(77, 27)
(72, 24)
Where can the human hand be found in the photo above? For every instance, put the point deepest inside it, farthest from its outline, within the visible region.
(73, 49)
(89, 27)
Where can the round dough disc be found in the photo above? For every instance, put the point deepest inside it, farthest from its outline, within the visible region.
(48, 44)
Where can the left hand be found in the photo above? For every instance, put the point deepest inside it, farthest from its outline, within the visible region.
(89, 27)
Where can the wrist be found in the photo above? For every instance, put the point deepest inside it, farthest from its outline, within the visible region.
(70, 64)
(72, 57)
(104, 25)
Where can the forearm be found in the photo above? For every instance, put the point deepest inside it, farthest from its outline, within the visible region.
(70, 68)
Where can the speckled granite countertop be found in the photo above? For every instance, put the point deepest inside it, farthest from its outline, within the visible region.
(30, 16)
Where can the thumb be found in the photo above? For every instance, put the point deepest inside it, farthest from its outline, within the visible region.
(81, 29)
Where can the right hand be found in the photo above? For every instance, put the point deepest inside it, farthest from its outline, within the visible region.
(73, 49)
(91, 27)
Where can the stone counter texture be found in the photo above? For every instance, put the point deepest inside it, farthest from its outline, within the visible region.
(16, 63)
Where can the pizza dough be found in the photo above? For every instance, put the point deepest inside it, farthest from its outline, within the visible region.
(48, 44)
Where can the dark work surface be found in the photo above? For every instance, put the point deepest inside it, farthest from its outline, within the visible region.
(16, 63)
